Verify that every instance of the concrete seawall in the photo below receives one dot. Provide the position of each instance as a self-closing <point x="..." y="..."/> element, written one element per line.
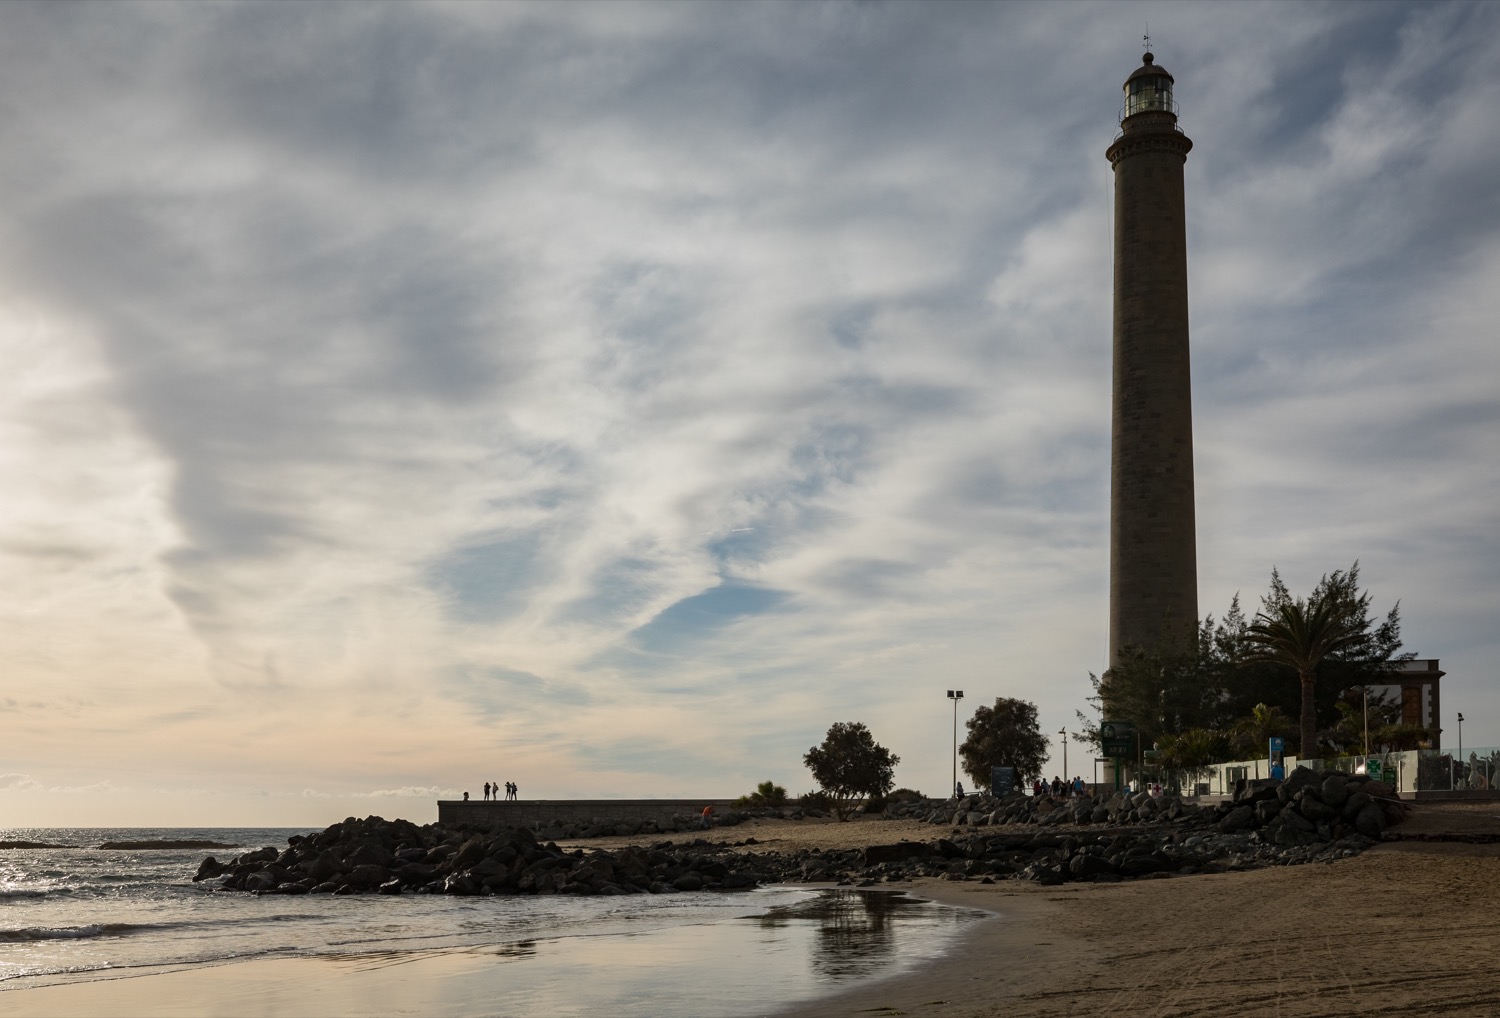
<point x="530" y="812"/>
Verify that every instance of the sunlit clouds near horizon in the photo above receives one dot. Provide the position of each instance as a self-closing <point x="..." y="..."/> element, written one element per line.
<point x="610" y="397"/>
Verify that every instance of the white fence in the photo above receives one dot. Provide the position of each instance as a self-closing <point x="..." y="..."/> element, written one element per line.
<point x="1423" y="770"/>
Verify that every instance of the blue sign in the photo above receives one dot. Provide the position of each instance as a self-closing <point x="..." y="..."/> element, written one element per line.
<point x="1278" y="745"/>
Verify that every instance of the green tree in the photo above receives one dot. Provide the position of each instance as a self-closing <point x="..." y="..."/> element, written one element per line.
<point x="850" y="765"/>
<point x="1299" y="634"/>
<point x="1005" y="735"/>
<point x="1251" y="735"/>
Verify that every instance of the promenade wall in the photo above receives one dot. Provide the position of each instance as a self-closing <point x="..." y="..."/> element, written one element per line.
<point x="530" y="812"/>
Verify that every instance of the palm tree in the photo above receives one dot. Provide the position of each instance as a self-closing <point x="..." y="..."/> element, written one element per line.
<point x="1300" y="634"/>
<point x="1253" y="732"/>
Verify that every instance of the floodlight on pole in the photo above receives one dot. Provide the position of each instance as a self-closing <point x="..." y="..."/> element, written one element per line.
<point x="955" y="695"/>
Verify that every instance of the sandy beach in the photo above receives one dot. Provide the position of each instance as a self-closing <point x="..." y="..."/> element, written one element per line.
<point x="1407" y="928"/>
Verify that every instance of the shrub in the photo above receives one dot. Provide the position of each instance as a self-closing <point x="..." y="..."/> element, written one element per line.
<point x="816" y="800"/>
<point x="767" y="794"/>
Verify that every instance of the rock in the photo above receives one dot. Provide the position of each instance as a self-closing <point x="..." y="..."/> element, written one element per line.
<point x="1315" y="810"/>
<point x="1296" y="821"/>
<point x="1370" y="821"/>
<point x="1138" y="865"/>
<point x="368" y="875"/>
<point x="210" y="868"/>
<point x="1085" y="867"/>
<point x="260" y="882"/>
<point x="1356" y="802"/>
<point x="370" y="854"/>
<point x="1267" y="809"/>
<point x="1302" y="777"/>
<point x="460" y="883"/>
<point x="1334" y="790"/>
<point x="688" y="882"/>
<point x="876" y="854"/>
<point x="1237" y="819"/>
<point x="390" y="887"/>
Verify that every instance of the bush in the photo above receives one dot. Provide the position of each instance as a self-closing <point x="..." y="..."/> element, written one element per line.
<point x="905" y="795"/>
<point x="816" y="800"/>
<point x="767" y="794"/>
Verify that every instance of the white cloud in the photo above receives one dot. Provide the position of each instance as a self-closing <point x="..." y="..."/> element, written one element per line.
<point x="622" y="399"/>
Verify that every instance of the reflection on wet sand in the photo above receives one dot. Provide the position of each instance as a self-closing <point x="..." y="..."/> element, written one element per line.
<point x="855" y="935"/>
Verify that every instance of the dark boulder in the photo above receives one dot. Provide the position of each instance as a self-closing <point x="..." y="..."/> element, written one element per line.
<point x="1334" y="790"/>
<point x="1356" y="802"/>
<point x="368" y="875"/>
<point x="1237" y="819"/>
<point x="210" y="868"/>
<point x="1370" y="821"/>
<point x="260" y="882"/>
<point x="1316" y="810"/>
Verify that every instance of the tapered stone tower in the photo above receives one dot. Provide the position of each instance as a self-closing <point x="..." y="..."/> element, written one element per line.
<point x="1153" y="559"/>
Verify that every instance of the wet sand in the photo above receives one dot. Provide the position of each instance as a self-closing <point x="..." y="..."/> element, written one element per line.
<point x="1407" y="928"/>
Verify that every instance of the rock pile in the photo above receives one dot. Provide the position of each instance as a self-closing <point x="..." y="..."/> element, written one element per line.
<point x="1310" y="817"/>
<point x="381" y="856"/>
<point x="1309" y="807"/>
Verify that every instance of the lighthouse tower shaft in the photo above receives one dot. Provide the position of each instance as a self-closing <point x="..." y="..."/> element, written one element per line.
<point x="1153" y="584"/>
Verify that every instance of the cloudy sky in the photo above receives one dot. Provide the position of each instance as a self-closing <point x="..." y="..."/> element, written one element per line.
<point x="610" y="397"/>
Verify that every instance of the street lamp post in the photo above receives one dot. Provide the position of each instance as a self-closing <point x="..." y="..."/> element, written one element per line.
<point x="1366" y="691"/>
<point x="1063" y="731"/>
<point x="955" y="695"/>
<point x="1461" y="749"/>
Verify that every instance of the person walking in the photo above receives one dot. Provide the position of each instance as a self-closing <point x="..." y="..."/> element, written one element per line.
<point x="486" y="791"/>
<point x="708" y="814"/>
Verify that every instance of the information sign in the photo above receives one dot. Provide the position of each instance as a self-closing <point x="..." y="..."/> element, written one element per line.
<point x="1002" y="781"/>
<point x="1117" y="738"/>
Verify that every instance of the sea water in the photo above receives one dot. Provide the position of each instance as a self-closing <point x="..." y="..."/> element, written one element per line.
<point x="82" y="912"/>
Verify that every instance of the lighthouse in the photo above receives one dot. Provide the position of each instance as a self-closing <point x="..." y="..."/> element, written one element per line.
<point x="1153" y="561"/>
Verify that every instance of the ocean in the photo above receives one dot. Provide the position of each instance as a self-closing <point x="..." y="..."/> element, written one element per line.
<point x="81" y="912"/>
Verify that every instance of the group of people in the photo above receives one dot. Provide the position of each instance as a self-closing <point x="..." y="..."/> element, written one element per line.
<point x="492" y="791"/>
<point x="1058" y="788"/>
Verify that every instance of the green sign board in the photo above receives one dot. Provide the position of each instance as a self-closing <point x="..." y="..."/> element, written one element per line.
<point x="1117" y="738"/>
<point x="1373" y="768"/>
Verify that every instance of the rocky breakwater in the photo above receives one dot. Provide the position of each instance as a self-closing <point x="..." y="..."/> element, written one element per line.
<point x="1311" y="816"/>
<point x="381" y="856"/>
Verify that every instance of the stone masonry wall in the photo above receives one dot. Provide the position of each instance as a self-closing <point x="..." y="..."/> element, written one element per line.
<point x="534" y="812"/>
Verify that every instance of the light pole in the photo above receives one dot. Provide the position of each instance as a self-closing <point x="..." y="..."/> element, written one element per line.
<point x="1063" y="731"/>
<point x="1465" y="780"/>
<point x="955" y="695"/>
<point x="1366" y="691"/>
